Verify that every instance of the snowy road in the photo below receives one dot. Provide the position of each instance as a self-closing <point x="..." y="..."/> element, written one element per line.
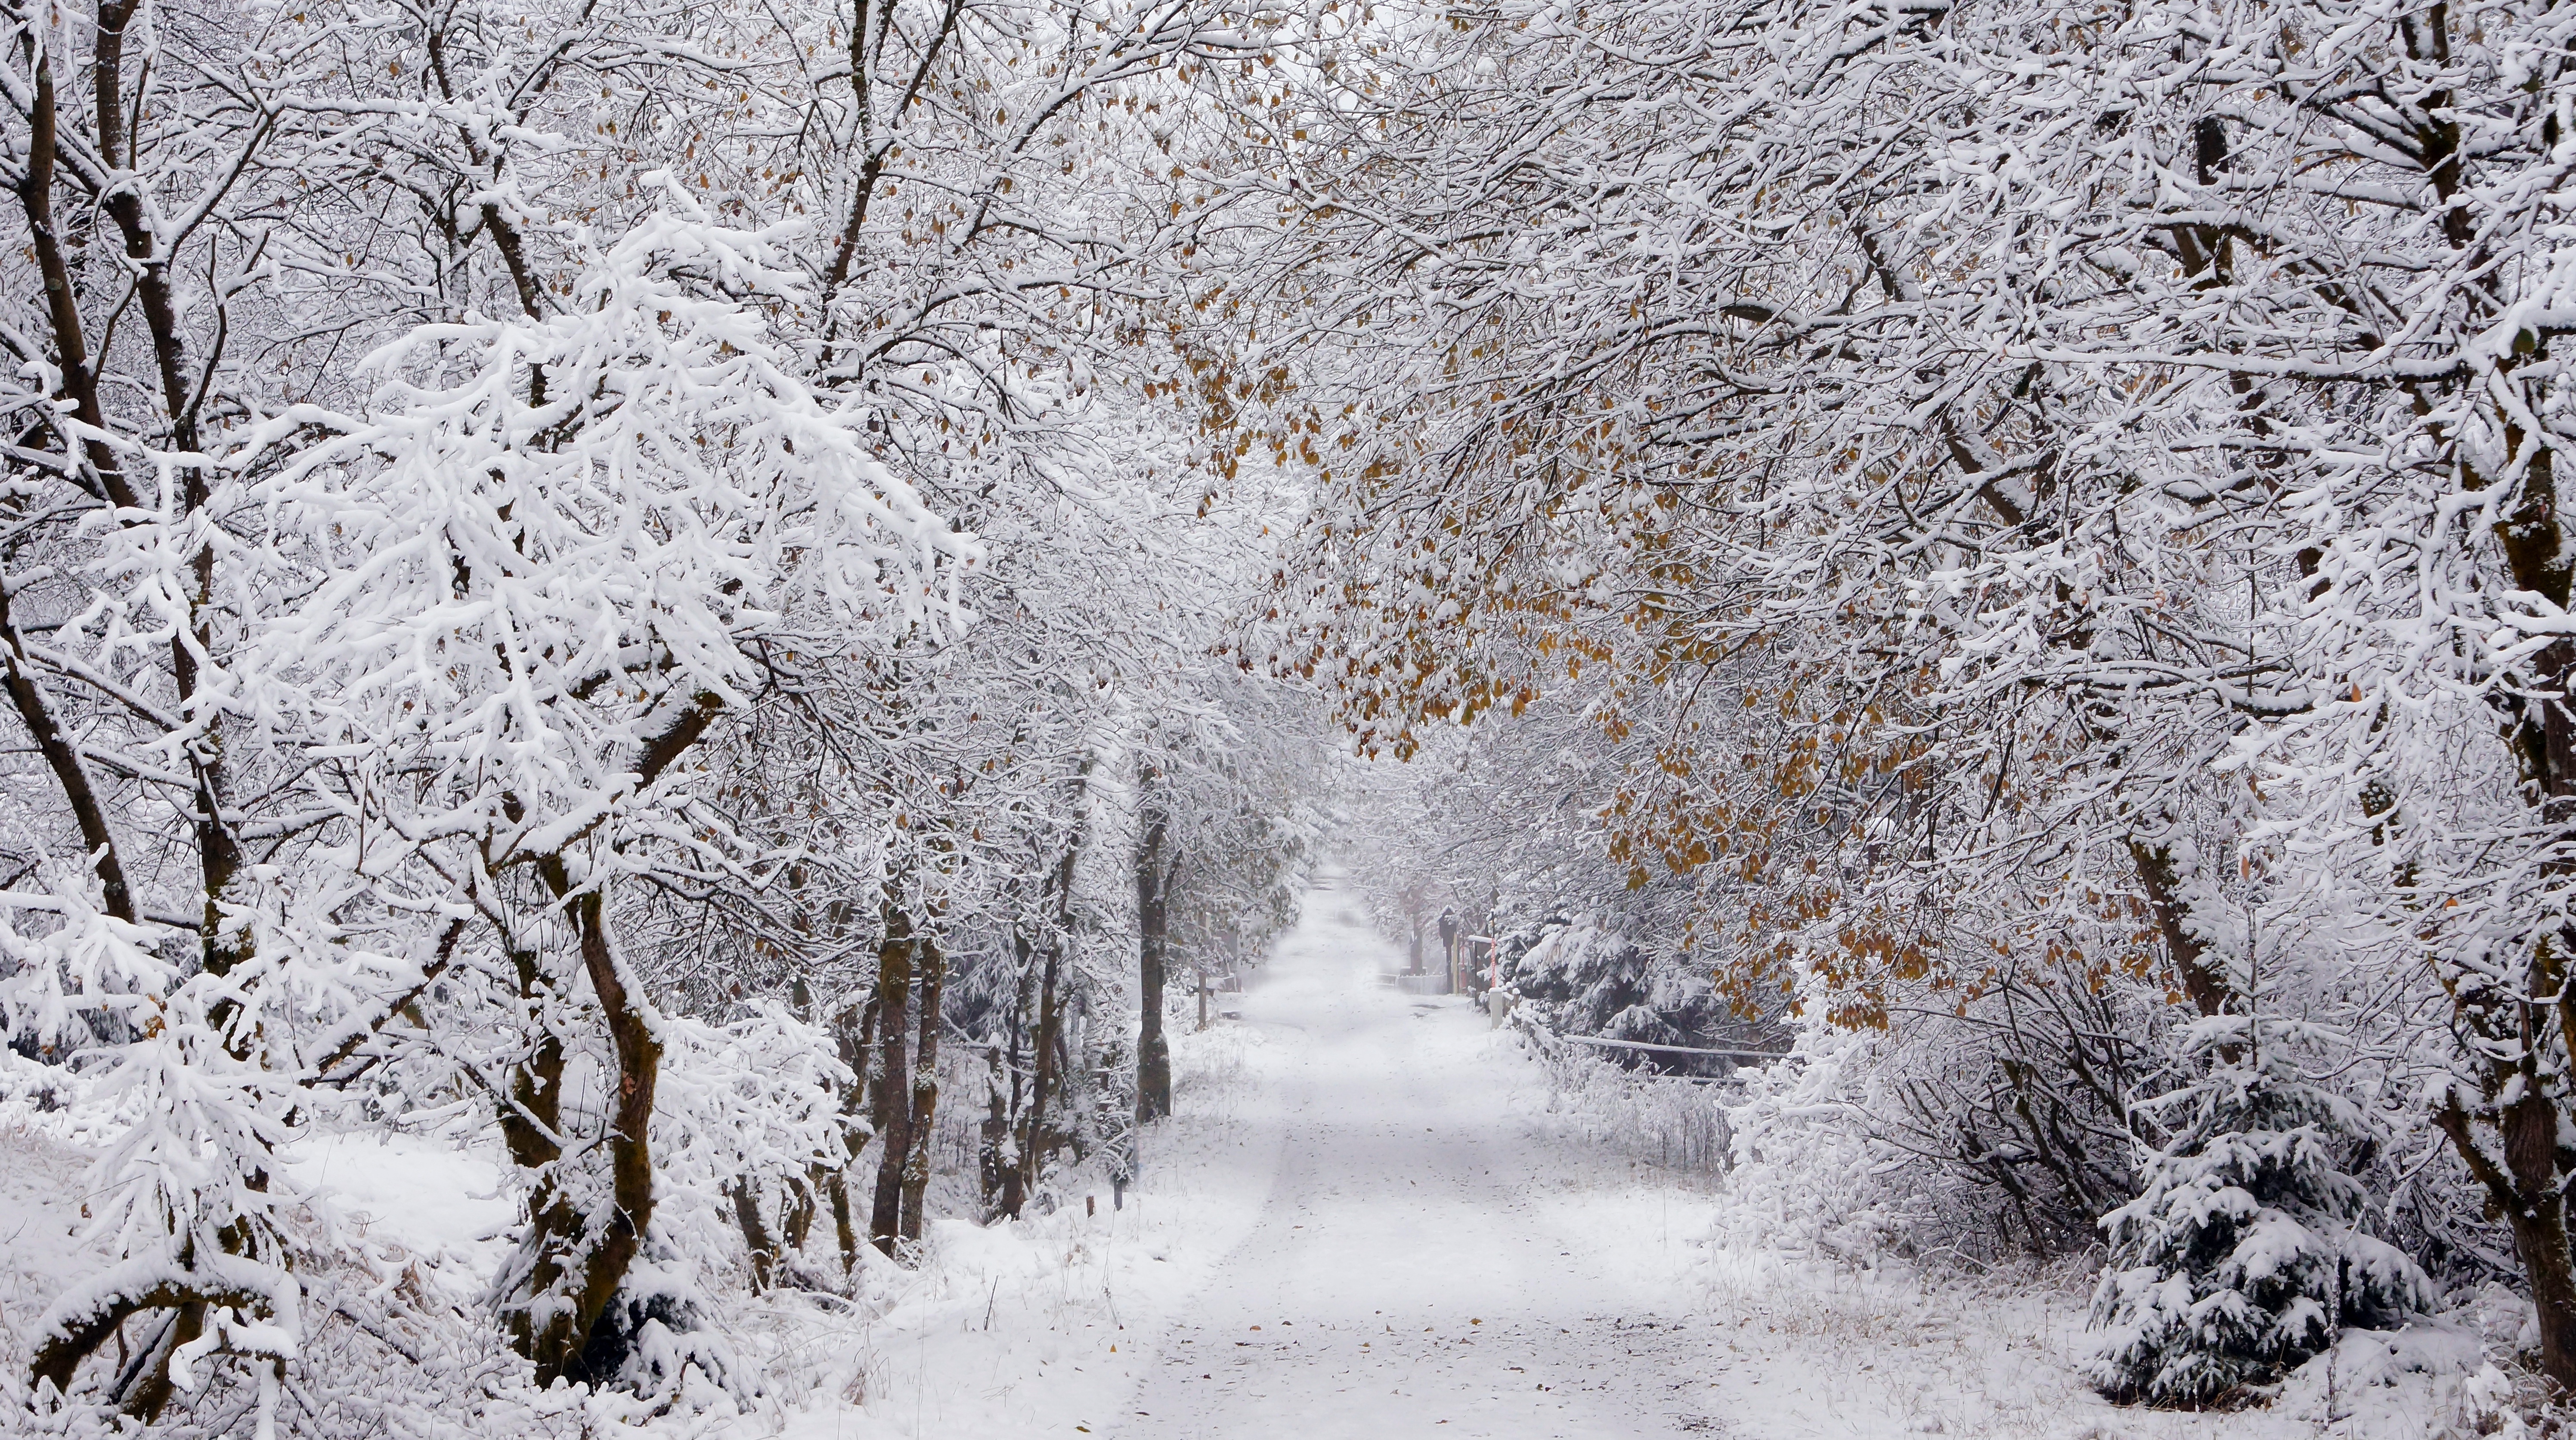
<point x="1404" y="1278"/>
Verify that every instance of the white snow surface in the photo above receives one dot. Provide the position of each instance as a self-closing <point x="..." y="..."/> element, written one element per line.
<point x="441" y="1202"/>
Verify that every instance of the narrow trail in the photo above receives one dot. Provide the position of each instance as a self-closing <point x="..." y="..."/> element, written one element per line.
<point x="1404" y="1279"/>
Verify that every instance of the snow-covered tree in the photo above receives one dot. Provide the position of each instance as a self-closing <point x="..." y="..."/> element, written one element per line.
<point x="2008" y="506"/>
<point x="2245" y="1253"/>
<point x="525" y="415"/>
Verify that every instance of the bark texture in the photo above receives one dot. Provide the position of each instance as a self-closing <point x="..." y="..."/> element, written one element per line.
<point x="892" y="1104"/>
<point x="1153" y="917"/>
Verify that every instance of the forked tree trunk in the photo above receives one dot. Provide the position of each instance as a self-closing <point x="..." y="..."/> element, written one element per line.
<point x="574" y="1260"/>
<point x="856" y="1047"/>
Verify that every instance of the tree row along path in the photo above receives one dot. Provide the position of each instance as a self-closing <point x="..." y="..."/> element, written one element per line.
<point x="1407" y="1276"/>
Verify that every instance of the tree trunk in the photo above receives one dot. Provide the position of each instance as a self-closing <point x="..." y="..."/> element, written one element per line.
<point x="804" y="1202"/>
<point x="996" y="1171"/>
<point x="1042" y="1078"/>
<point x="36" y="710"/>
<point x="76" y="377"/>
<point x="2525" y="1186"/>
<point x="1045" y="1072"/>
<point x="630" y="1142"/>
<point x="755" y="1233"/>
<point x="575" y="1259"/>
<point x="1153" y="1053"/>
<point x="2541" y="1239"/>
<point x="2159" y="875"/>
<point x="892" y="1108"/>
<point x="1006" y="1091"/>
<point x="1030" y="1141"/>
<point x="531" y="1124"/>
<point x="921" y="1127"/>
<point x="855" y="1048"/>
<point x="2516" y="1037"/>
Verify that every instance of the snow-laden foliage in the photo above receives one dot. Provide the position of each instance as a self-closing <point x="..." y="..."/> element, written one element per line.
<point x="567" y="574"/>
<point x="2036" y="502"/>
<point x="715" y="607"/>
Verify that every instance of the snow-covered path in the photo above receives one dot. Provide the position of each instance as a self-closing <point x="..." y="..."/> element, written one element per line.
<point x="1404" y="1277"/>
<point x="1366" y="1221"/>
<point x="1437" y="1257"/>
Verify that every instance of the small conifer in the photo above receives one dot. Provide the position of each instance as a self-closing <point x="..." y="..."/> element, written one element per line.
<point x="2244" y="1254"/>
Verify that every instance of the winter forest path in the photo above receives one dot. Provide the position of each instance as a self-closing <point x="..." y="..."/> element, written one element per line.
<point x="1406" y="1277"/>
<point x="1372" y="1216"/>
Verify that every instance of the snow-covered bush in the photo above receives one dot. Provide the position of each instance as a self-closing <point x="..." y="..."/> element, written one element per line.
<point x="187" y="1080"/>
<point x="1607" y="972"/>
<point x="2244" y="1254"/>
<point x="1581" y="972"/>
<point x="1673" y="1121"/>
<point x="1808" y="1177"/>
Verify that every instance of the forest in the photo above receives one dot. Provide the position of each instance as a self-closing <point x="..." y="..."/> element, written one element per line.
<point x="751" y="615"/>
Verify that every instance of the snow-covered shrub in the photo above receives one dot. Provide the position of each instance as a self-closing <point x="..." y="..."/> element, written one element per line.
<point x="1671" y="1121"/>
<point x="1592" y="976"/>
<point x="2244" y="1254"/>
<point x="186" y="1107"/>
<point x="1807" y="1177"/>
<point x="1582" y="974"/>
<point x="1984" y="1128"/>
<point x="753" y="1104"/>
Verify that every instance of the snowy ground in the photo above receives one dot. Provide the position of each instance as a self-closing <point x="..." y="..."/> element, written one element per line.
<point x="1365" y="1221"/>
